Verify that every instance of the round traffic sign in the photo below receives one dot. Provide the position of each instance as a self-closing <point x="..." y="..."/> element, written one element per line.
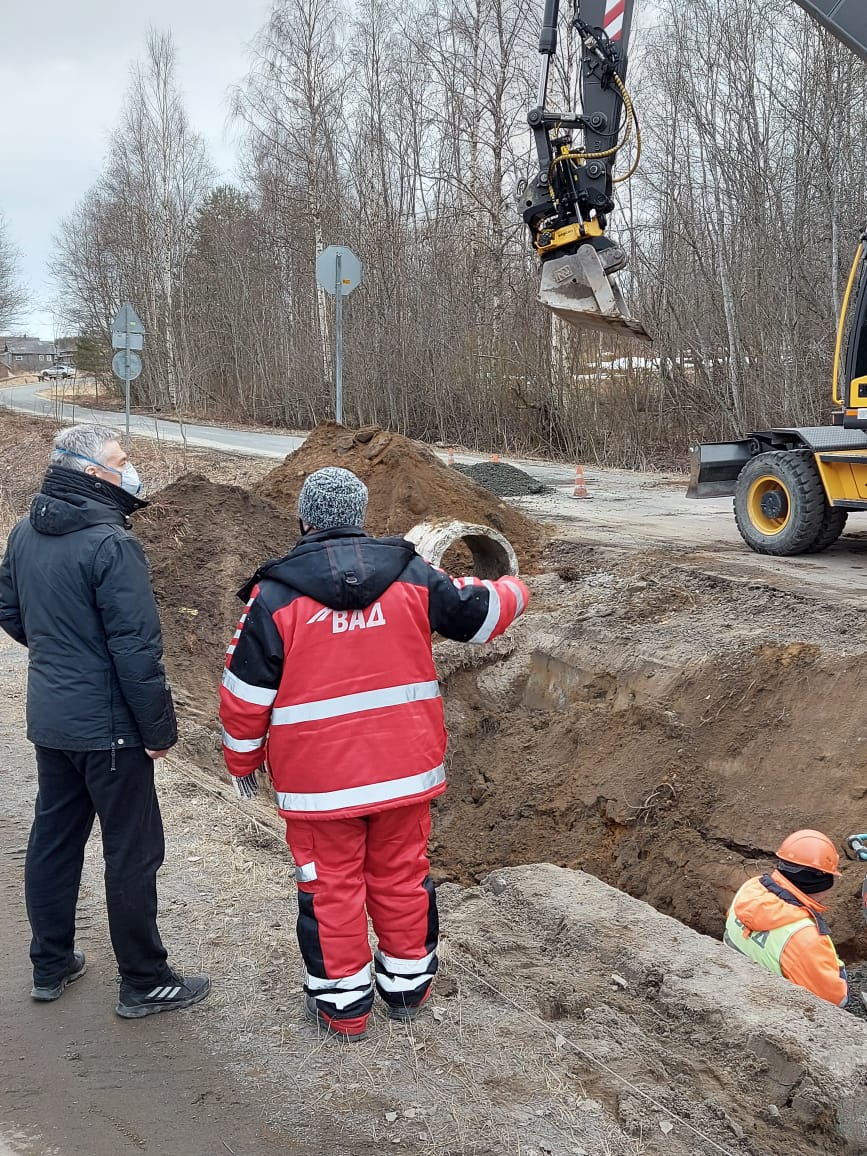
<point x="126" y="365"/>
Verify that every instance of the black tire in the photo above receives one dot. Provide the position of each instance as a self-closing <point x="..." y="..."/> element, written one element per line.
<point x="780" y="505"/>
<point x="833" y="524"/>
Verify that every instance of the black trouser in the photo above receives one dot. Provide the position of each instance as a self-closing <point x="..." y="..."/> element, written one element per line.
<point x="73" y="787"/>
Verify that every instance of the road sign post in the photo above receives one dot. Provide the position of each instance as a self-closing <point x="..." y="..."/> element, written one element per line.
<point x="338" y="272"/>
<point x="338" y="338"/>
<point x="127" y="336"/>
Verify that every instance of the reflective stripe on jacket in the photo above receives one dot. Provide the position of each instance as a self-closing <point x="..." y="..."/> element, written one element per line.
<point x="776" y="925"/>
<point x="765" y="947"/>
<point x="330" y="677"/>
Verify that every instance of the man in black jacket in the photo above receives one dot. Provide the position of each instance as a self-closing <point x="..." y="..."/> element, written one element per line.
<point x="75" y="590"/>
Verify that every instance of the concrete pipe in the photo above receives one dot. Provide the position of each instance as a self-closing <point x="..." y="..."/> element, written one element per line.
<point x="493" y="555"/>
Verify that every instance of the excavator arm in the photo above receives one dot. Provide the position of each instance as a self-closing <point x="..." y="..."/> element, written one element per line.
<point x="845" y="19"/>
<point x="566" y="205"/>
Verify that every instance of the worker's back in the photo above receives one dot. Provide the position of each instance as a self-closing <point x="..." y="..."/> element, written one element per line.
<point x="333" y="658"/>
<point x="776" y="925"/>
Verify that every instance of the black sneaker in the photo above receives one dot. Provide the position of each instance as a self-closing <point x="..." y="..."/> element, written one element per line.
<point x="178" y="992"/>
<point x="46" y="994"/>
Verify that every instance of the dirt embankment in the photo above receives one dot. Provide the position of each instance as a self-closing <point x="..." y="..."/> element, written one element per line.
<point x="659" y="727"/>
<point x="203" y="540"/>
<point x="661" y="730"/>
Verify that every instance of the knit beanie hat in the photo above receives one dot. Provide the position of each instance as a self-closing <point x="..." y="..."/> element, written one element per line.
<point x="332" y="497"/>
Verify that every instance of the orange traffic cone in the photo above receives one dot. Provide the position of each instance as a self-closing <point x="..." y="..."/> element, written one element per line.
<point x="451" y="456"/>
<point x="580" y="490"/>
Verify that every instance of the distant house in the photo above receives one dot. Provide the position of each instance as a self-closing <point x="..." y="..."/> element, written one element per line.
<point x="29" y="355"/>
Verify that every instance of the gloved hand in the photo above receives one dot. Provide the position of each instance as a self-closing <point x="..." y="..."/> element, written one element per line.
<point x="246" y="786"/>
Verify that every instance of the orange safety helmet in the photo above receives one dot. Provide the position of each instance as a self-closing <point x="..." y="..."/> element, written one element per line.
<point x="810" y="849"/>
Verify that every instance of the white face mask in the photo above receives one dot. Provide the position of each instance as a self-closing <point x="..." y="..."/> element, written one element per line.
<point x="129" y="479"/>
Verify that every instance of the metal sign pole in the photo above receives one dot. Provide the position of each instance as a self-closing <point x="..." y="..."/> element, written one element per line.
<point x="126" y="386"/>
<point x="338" y="338"/>
<point x="127" y="335"/>
<point x="338" y="271"/>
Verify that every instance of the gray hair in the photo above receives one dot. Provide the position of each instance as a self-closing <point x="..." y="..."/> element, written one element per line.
<point x="87" y="440"/>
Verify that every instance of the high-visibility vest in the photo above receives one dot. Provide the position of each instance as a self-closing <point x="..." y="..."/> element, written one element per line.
<point x="765" y="947"/>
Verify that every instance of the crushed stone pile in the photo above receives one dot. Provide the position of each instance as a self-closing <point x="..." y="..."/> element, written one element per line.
<point x="203" y="540"/>
<point x="503" y="479"/>
<point x="407" y="482"/>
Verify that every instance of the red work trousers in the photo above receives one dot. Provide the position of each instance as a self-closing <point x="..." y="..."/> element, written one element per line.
<point x="346" y="870"/>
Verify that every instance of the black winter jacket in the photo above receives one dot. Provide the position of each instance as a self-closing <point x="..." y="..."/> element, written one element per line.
<point x="75" y="590"/>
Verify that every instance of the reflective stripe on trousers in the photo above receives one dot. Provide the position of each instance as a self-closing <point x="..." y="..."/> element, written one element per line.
<point x="400" y="977"/>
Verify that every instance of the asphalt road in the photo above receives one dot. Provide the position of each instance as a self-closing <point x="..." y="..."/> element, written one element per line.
<point x="28" y="399"/>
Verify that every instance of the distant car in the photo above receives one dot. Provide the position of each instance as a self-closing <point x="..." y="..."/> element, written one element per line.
<point x="57" y="371"/>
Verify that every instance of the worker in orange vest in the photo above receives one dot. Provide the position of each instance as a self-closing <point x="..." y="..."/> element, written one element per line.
<point x="777" y="921"/>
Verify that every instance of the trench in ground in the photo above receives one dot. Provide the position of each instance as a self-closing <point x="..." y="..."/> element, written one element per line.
<point x="660" y="727"/>
<point x="617" y="732"/>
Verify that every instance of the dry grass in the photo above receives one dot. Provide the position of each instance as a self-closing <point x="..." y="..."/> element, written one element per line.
<point x="469" y="1078"/>
<point x="25" y="443"/>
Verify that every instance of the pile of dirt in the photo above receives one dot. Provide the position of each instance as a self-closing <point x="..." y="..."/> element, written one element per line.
<point x="407" y="483"/>
<point x="203" y="540"/>
<point x="503" y="479"/>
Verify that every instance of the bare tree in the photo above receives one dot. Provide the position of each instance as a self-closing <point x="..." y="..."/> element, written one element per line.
<point x="292" y="105"/>
<point x="131" y="237"/>
<point x="13" y="297"/>
<point x="400" y="132"/>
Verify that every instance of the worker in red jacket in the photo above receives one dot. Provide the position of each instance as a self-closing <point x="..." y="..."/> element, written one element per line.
<point x="776" y="919"/>
<point x="330" y="682"/>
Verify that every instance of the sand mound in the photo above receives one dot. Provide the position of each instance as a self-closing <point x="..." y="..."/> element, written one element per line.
<point x="203" y="540"/>
<point x="407" y="483"/>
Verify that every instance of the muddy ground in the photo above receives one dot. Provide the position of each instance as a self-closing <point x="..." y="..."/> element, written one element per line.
<point x="244" y="1073"/>
<point x="506" y="1062"/>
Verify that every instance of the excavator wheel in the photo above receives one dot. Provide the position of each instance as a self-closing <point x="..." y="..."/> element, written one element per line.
<point x="780" y="504"/>
<point x="833" y="524"/>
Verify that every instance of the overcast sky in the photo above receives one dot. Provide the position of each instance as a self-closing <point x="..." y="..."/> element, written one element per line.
<point x="64" y="72"/>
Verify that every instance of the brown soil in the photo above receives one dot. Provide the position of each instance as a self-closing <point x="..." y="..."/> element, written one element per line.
<point x="660" y="727"/>
<point x="480" y="1074"/>
<point x="203" y="541"/>
<point x="407" y="482"/>
<point x="663" y="736"/>
<point x="25" y="443"/>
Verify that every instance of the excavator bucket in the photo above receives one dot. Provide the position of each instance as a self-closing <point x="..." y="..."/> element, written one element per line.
<point x="579" y="290"/>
